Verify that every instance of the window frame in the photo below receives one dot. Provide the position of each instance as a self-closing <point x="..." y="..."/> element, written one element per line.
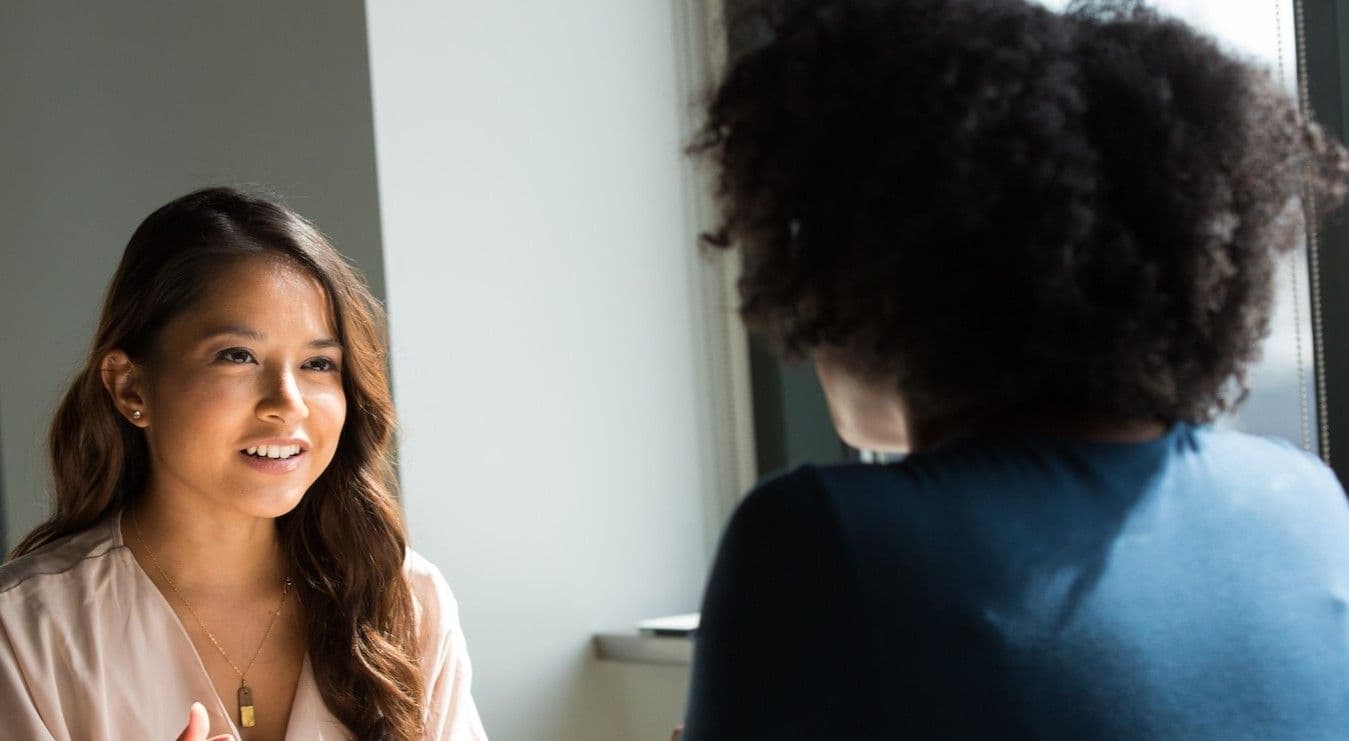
<point x="1324" y="62"/>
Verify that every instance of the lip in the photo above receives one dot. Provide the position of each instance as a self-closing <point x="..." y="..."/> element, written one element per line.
<point x="275" y="465"/>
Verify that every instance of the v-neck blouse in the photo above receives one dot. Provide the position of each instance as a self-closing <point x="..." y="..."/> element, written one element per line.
<point x="90" y="650"/>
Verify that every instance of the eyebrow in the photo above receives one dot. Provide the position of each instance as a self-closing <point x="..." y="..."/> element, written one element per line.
<point x="238" y="330"/>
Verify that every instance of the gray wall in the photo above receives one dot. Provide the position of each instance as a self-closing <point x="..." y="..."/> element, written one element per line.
<point x="110" y="110"/>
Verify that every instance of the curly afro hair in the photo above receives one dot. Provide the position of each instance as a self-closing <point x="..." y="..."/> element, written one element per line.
<point x="1009" y="211"/>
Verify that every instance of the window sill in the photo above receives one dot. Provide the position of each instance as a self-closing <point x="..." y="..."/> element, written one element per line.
<point x="633" y="648"/>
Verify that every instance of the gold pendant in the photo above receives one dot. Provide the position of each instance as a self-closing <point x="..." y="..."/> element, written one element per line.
<point x="246" y="719"/>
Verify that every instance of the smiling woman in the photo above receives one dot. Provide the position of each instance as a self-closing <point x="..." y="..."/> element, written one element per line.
<point x="254" y="366"/>
<point x="218" y="464"/>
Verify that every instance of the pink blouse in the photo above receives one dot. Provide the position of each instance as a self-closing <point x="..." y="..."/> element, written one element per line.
<point x="90" y="650"/>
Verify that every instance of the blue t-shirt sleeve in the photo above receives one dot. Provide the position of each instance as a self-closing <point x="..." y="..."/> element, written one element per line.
<point x="774" y="652"/>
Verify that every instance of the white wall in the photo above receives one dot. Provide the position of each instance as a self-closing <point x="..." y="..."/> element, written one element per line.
<point x="111" y="109"/>
<point x="540" y="264"/>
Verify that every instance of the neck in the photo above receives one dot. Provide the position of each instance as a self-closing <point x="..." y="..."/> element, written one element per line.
<point x="201" y="550"/>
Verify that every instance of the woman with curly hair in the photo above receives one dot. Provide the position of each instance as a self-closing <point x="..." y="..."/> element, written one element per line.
<point x="1037" y="250"/>
<point x="225" y="535"/>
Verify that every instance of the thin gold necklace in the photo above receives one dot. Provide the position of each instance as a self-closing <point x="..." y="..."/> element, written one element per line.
<point x="247" y="715"/>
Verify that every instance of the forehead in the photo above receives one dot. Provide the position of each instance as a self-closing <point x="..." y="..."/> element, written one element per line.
<point x="264" y="292"/>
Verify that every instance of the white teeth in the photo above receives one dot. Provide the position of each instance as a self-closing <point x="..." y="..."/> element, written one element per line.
<point x="281" y="452"/>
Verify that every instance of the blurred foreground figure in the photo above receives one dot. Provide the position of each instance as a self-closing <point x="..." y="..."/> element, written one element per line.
<point x="1037" y="251"/>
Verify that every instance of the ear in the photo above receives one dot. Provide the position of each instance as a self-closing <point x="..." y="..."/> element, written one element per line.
<point x="123" y="380"/>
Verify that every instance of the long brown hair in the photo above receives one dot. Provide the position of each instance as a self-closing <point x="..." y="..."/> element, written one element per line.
<point x="345" y="539"/>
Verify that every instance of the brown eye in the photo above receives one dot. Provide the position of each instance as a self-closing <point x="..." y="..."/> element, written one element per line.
<point x="235" y="355"/>
<point x="321" y="364"/>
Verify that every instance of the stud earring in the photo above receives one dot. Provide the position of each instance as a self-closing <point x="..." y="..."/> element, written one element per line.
<point x="136" y="414"/>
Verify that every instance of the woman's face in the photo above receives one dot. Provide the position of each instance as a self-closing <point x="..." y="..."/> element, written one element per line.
<point x="240" y="382"/>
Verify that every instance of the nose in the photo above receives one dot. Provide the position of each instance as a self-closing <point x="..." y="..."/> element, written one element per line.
<point x="281" y="400"/>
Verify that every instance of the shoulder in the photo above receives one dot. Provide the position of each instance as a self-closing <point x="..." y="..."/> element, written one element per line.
<point x="50" y="598"/>
<point x="822" y="505"/>
<point x="795" y="498"/>
<point x="785" y="533"/>
<point x="65" y="565"/>
<point x="1246" y="460"/>
<point x="425" y="579"/>
<point x="785" y="515"/>
<point x="1268" y="476"/>
<point x="780" y="493"/>
<point x="436" y="609"/>
<point x="812" y="506"/>
<point x="782" y="554"/>
<point x="1238" y="445"/>
<point x="780" y="614"/>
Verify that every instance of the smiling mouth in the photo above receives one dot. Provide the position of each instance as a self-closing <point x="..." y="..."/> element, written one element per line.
<point x="274" y="452"/>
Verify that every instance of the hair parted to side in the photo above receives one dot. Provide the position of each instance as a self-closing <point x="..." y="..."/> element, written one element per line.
<point x="1007" y="211"/>
<point x="346" y="538"/>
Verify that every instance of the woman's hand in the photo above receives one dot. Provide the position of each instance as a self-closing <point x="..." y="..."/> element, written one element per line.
<point x="198" y="724"/>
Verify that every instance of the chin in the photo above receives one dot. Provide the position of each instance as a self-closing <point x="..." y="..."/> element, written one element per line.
<point x="268" y="503"/>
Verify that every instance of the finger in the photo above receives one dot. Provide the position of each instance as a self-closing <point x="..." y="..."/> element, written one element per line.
<point x="197" y="723"/>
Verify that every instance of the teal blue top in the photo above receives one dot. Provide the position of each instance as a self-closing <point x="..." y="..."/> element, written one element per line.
<point x="1013" y="586"/>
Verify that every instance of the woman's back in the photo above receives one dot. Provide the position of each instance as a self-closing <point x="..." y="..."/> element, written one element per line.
<point x="981" y="215"/>
<point x="1195" y="586"/>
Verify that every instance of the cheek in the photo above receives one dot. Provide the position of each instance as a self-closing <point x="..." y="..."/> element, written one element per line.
<point x="194" y="407"/>
<point x="327" y="413"/>
<point x="192" y="424"/>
